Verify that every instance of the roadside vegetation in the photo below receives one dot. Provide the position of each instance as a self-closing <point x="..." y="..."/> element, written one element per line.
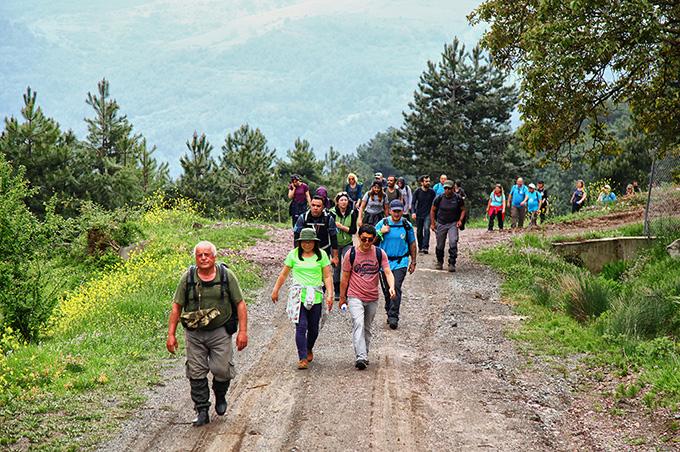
<point x="102" y="343"/>
<point x="624" y="321"/>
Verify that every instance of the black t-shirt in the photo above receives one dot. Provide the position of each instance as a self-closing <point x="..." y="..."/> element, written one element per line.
<point x="544" y="196"/>
<point x="448" y="210"/>
<point x="422" y="202"/>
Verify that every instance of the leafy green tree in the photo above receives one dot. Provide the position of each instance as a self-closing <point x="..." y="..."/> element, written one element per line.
<point x="37" y="145"/>
<point x="245" y="173"/>
<point x="198" y="179"/>
<point x="458" y="122"/>
<point x="577" y="60"/>
<point x="22" y="304"/>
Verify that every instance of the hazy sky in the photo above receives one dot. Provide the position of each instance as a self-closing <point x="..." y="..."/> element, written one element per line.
<point x="334" y="72"/>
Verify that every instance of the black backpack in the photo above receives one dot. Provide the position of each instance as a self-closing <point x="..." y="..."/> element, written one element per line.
<point x="232" y="322"/>
<point x="353" y="255"/>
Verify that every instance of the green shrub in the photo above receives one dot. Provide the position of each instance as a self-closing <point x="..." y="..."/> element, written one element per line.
<point x="646" y="316"/>
<point x="614" y="271"/>
<point x="585" y="297"/>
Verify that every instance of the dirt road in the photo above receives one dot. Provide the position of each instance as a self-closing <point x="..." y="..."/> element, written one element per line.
<point x="447" y="379"/>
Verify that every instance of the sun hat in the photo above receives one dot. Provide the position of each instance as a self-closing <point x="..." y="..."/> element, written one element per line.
<point x="308" y="234"/>
<point x="396" y="205"/>
<point x="532" y="185"/>
<point x="448" y="184"/>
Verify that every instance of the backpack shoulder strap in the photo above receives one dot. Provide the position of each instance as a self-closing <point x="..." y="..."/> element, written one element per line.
<point x="352" y="255"/>
<point x="378" y="256"/>
<point x="191" y="283"/>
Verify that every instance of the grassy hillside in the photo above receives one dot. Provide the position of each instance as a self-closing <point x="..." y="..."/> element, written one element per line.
<point x="105" y="342"/>
<point x="624" y="321"/>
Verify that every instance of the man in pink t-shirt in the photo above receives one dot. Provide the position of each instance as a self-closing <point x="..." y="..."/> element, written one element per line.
<point x="359" y="289"/>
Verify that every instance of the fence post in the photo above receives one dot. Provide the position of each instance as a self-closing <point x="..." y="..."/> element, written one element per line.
<point x="646" y="230"/>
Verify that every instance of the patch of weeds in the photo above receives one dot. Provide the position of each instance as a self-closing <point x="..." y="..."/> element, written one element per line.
<point x="615" y="411"/>
<point x="597" y="407"/>
<point x="639" y="441"/>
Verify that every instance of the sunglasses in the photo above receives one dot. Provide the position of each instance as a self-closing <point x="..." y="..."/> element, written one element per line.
<point x="366" y="239"/>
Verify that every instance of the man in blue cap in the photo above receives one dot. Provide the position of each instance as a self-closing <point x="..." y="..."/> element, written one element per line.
<point x="398" y="241"/>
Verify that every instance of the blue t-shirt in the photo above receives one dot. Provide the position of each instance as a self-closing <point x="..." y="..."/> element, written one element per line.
<point x="438" y="189"/>
<point x="518" y="194"/>
<point x="611" y="197"/>
<point x="533" y="201"/>
<point x="394" y="242"/>
<point x="497" y="200"/>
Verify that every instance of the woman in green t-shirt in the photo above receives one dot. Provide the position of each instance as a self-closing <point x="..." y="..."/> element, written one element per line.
<point x="311" y="271"/>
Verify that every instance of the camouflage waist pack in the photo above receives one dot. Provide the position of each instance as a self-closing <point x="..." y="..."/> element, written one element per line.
<point x="199" y="319"/>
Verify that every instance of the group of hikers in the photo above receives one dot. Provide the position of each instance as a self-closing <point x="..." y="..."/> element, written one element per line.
<point x="345" y="251"/>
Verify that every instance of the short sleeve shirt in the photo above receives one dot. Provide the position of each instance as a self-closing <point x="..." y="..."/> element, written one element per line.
<point x="518" y="194"/>
<point x="374" y="204"/>
<point x="300" y="193"/>
<point x="497" y="200"/>
<point x="364" y="274"/>
<point x="394" y="242"/>
<point x="533" y="201"/>
<point x="308" y="271"/>
<point x="210" y="297"/>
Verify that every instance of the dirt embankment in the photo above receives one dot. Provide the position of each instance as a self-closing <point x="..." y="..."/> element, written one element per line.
<point x="447" y="379"/>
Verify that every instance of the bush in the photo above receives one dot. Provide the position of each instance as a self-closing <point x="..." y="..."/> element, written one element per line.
<point x="614" y="271"/>
<point x="21" y="306"/>
<point x="585" y="297"/>
<point x="650" y="305"/>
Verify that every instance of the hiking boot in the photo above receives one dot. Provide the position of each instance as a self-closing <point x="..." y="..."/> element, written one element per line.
<point x="360" y="364"/>
<point x="439" y="266"/>
<point x="393" y="324"/>
<point x="310" y="356"/>
<point x="202" y="418"/>
<point x="303" y="364"/>
<point x="452" y="268"/>
<point x="220" y="389"/>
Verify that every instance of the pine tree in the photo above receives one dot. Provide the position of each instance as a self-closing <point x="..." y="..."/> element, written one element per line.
<point x="37" y="145"/>
<point x="198" y="178"/>
<point x="109" y="134"/>
<point x="458" y="122"/>
<point x="152" y="175"/>
<point x="246" y="172"/>
<point x="377" y="153"/>
<point x="301" y="161"/>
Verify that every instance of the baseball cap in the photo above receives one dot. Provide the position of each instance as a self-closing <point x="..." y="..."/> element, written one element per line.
<point x="448" y="184"/>
<point x="396" y="205"/>
<point x="378" y="174"/>
<point x="532" y="186"/>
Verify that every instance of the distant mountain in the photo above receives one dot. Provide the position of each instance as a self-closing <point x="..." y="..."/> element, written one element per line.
<point x="333" y="72"/>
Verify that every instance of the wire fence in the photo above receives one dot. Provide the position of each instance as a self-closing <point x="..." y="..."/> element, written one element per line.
<point x="662" y="210"/>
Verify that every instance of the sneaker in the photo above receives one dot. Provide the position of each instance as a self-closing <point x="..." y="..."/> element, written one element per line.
<point x="439" y="266"/>
<point x="310" y="356"/>
<point x="426" y="252"/>
<point x="393" y="324"/>
<point x="360" y="364"/>
<point x="303" y="364"/>
<point x="452" y="268"/>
